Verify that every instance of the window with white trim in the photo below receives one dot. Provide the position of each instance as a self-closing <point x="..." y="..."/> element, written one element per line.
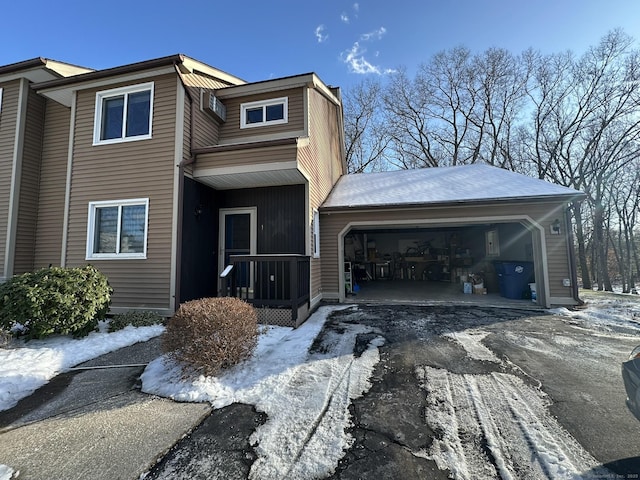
<point x="315" y="232"/>
<point x="0" y="100"/>
<point x="117" y="229"/>
<point x="264" y="112"/>
<point x="123" y="114"/>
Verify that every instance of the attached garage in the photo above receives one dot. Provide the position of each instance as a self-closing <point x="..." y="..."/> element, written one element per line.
<point x="423" y="234"/>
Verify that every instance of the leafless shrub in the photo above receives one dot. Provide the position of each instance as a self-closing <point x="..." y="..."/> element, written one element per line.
<point x="5" y="338"/>
<point x="211" y="334"/>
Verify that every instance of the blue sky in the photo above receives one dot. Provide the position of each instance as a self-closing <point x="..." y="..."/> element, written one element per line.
<point x="342" y="41"/>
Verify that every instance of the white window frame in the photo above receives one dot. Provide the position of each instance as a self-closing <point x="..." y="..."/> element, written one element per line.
<point x="284" y="101"/>
<point x="315" y="234"/>
<point x="0" y="99"/>
<point x="114" y="92"/>
<point x="91" y="225"/>
<point x="492" y="242"/>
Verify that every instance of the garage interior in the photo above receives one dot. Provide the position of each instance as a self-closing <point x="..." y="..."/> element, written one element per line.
<point x="444" y="263"/>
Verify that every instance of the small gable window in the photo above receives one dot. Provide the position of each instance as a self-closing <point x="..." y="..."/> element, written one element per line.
<point x="264" y="112"/>
<point x="123" y="114"/>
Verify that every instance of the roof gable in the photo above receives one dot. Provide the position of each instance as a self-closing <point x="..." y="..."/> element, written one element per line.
<point x="442" y="185"/>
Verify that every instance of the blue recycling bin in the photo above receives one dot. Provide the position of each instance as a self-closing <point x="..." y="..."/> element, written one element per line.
<point x="514" y="278"/>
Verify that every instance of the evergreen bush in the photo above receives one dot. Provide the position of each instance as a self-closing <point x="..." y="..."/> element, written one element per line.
<point x="211" y="334"/>
<point x="55" y="300"/>
<point x="136" y="318"/>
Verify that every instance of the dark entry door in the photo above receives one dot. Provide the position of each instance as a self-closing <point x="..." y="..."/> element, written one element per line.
<point x="238" y="237"/>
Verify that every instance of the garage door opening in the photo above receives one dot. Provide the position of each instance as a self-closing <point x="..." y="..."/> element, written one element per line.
<point x="490" y="262"/>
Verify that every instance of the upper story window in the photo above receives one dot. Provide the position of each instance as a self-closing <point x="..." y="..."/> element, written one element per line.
<point x="123" y="114"/>
<point x="117" y="229"/>
<point x="264" y="112"/>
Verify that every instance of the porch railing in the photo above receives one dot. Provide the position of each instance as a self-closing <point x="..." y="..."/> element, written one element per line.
<point x="269" y="281"/>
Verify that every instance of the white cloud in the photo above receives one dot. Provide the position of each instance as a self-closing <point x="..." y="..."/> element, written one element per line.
<point x="344" y="17"/>
<point x="375" y="35"/>
<point x="356" y="62"/>
<point x="319" y="33"/>
<point x="356" y="7"/>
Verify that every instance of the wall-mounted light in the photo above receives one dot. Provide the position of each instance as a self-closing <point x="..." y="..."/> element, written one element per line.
<point x="197" y="211"/>
<point x="555" y="227"/>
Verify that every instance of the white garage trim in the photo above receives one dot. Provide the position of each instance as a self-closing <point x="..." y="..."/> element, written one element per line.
<point x="537" y="233"/>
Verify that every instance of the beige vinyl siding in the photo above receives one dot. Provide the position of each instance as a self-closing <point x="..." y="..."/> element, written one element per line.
<point x="322" y="161"/>
<point x="29" y="185"/>
<point x="332" y="223"/>
<point x="230" y="131"/>
<point x="137" y="169"/>
<point x="557" y="253"/>
<point x="186" y="138"/>
<point x="249" y="156"/>
<point x="53" y="177"/>
<point x="206" y="130"/>
<point x="8" y="118"/>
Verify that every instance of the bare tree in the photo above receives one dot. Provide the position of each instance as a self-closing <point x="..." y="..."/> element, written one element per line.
<point x="571" y="120"/>
<point x="586" y="128"/>
<point x="365" y="136"/>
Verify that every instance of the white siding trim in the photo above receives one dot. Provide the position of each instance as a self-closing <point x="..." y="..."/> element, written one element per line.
<point x="539" y="244"/>
<point x="178" y="155"/>
<point x="16" y="178"/>
<point x="67" y="193"/>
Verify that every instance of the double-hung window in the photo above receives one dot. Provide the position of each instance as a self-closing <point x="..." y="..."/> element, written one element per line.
<point x="264" y="112"/>
<point x="123" y="114"/>
<point x="117" y="229"/>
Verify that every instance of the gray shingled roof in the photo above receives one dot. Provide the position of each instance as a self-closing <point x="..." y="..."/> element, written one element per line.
<point x="444" y="185"/>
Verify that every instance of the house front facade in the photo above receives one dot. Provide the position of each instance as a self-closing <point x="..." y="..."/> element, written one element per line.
<point x="158" y="172"/>
<point x="181" y="181"/>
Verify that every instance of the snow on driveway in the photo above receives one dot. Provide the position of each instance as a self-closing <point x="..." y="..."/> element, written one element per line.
<point x="496" y="426"/>
<point x="305" y="396"/>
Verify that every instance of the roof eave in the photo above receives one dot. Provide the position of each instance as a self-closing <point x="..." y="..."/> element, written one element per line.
<point x="110" y="72"/>
<point x="484" y="201"/>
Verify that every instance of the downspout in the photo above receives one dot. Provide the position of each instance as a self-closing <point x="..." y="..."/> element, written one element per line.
<point x="181" y="166"/>
<point x="572" y="257"/>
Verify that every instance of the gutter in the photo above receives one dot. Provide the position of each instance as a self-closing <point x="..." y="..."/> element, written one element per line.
<point x="110" y="72"/>
<point x="448" y="203"/>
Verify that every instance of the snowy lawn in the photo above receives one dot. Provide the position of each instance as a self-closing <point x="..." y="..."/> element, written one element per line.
<point x="26" y="366"/>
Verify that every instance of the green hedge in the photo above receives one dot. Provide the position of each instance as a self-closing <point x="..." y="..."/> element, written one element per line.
<point x="136" y="318"/>
<point x="55" y="300"/>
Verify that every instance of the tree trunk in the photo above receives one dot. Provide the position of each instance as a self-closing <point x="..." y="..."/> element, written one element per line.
<point x="582" y="251"/>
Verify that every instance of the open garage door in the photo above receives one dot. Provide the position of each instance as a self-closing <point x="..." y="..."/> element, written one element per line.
<point x="442" y="263"/>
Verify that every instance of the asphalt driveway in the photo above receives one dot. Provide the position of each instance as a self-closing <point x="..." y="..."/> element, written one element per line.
<point x="467" y="392"/>
<point x="460" y="391"/>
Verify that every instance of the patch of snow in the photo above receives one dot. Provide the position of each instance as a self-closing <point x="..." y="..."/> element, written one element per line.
<point x="471" y="341"/>
<point x="7" y="473"/>
<point x="611" y="312"/>
<point x="26" y="366"/>
<point x="495" y="425"/>
<point x="305" y="396"/>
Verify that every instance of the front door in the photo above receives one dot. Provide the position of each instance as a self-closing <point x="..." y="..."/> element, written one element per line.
<point x="237" y="237"/>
